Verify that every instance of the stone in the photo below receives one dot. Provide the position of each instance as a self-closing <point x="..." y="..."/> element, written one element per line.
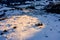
<point x="5" y="31"/>
<point x="39" y="24"/>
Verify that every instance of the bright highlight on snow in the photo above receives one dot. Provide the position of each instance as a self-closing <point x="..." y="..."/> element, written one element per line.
<point x="21" y="27"/>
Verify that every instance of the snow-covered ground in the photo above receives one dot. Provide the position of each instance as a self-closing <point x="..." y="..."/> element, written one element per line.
<point x="29" y="24"/>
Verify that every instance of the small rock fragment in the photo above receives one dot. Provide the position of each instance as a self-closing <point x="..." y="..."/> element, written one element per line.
<point x="14" y="27"/>
<point x="5" y="31"/>
<point x="39" y="24"/>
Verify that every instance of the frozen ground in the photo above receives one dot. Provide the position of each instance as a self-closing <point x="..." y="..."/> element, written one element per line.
<point x="23" y="25"/>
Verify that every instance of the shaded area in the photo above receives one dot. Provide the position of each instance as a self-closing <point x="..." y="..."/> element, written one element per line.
<point x="53" y="7"/>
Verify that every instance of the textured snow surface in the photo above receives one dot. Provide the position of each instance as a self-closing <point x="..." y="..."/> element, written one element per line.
<point x="22" y="24"/>
<point x="25" y="27"/>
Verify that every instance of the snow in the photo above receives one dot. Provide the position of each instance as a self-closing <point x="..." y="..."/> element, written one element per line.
<point x="25" y="20"/>
<point x="4" y="8"/>
<point x="39" y="7"/>
<point x="23" y="6"/>
<point x="25" y="24"/>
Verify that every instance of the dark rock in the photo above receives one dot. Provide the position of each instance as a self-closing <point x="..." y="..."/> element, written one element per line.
<point x="2" y="19"/>
<point x="5" y="31"/>
<point x="39" y="24"/>
<point x="14" y="27"/>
